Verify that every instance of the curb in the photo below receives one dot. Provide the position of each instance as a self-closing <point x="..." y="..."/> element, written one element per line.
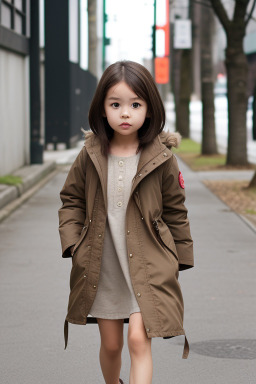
<point x="241" y="216"/>
<point x="34" y="177"/>
<point x="247" y="222"/>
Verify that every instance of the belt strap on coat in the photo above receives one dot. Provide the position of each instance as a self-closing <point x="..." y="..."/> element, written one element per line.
<point x="186" y="349"/>
<point x="66" y="333"/>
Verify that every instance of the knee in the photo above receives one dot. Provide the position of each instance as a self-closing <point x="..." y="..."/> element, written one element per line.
<point x="137" y="342"/>
<point x="113" y="347"/>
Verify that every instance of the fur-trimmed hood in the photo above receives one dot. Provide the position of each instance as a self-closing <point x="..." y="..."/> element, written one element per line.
<point x="170" y="139"/>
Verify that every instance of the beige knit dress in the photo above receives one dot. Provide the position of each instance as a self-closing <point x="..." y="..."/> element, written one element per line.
<point x="115" y="298"/>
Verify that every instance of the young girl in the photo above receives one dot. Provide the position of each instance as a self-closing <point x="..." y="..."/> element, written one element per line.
<point x="124" y="223"/>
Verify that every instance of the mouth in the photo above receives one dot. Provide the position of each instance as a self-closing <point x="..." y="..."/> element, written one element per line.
<point x="125" y="125"/>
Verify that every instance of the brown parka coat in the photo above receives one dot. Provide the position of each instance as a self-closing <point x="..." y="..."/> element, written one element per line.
<point x="158" y="237"/>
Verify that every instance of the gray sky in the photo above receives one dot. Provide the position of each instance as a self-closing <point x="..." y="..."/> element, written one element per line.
<point x="129" y="28"/>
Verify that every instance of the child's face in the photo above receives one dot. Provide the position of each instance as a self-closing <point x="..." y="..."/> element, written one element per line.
<point x="124" y="110"/>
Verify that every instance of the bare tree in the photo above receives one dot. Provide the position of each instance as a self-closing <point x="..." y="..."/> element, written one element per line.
<point x="254" y="114"/>
<point x="92" y="15"/>
<point x="237" y="72"/>
<point x="182" y="95"/>
<point x="252" y="183"/>
<point x="209" y="145"/>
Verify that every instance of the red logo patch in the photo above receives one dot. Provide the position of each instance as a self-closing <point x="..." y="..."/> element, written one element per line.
<point x="181" y="181"/>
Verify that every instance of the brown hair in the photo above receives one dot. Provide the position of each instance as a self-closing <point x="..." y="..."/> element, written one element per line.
<point x="139" y="79"/>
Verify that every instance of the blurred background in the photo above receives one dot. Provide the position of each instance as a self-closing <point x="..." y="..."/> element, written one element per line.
<point x="52" y="54"/>
<point x="202" y="55"/>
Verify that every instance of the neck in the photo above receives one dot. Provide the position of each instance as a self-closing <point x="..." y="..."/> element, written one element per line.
<point x="125" y="142"/>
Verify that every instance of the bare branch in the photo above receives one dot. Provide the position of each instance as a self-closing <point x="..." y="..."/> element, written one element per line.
<point x="249" y="15"/>
<point x="221" y="13"/>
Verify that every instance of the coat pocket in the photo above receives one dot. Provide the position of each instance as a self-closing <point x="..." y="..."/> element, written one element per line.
<point x="82" y="236"/>
<point x="165" y="237"/>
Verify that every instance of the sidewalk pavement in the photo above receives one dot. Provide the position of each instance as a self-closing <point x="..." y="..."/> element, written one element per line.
<point x="33" y="177"/>
<point x="219" y="299"/>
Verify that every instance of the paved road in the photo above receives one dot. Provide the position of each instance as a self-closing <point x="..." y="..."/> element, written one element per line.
<point x="219" y="295"/>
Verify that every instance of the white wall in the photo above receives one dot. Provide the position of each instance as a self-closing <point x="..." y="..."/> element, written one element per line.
<point x="14" y="111"/>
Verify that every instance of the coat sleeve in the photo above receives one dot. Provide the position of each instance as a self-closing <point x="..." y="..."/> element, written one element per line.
<point x="175" y="213"/>
<point x="73" y="211"/>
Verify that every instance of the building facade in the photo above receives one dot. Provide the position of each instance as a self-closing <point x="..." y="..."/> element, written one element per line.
<point x="14" y="84"/>
<point x="47" y="75"/>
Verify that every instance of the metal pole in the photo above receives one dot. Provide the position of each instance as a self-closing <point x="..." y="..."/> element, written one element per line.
<point x="154" y="39"/>
<point x="104" y="37"/>
<point x="36" y="148"/>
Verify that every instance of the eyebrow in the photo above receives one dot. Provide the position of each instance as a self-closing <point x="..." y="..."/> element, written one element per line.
<point x="117" y="98"/>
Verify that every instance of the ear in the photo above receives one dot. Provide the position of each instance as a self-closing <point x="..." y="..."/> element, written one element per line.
<point x="148" y="114"/>
<point x="104" y="114"/>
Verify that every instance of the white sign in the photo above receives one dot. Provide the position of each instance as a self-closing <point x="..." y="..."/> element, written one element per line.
<point x="182" y="34"/>
<point x="161" y="13"/>
<point x="84" y="37"/>
<point x="73" y="31"/>
<point x="160" y="43"/>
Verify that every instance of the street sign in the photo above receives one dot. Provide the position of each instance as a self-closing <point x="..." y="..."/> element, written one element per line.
<point x="162" y="70"/>
<point x="182" y="34"/>
<point x="162" y="42"/>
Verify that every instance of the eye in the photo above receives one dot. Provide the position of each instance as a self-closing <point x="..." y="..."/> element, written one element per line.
<point x="135" y="105"/>
<point x="115" y="105"/>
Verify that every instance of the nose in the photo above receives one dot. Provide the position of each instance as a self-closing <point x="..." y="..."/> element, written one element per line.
<point x="125" y="113"/>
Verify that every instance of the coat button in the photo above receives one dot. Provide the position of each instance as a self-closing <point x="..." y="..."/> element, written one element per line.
<point x="119" y="204"/>
<point x="165" y="154"/>
<point x="138" y="294"/>
<point x="147" y="329"/>
<point x="94" y="286"/>
<point x="130" y="255"/>
<point x="120" y="177"/>
<point x="142" y="218"/>
<point x="99" y="235"/>
<point x="85" y="276"/>
<point x="121" y="163"/>
<point x="140" y="174"/>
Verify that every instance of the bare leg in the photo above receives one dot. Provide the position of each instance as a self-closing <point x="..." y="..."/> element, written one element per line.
<point x="140" y="351"/>
<point x="112" y="341"/>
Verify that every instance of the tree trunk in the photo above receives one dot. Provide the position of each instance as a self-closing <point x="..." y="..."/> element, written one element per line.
<point x="237" y="72"/>
<point x="254" y="115"/>
<point x="92" y="18"/>
<point x="253" y="182"/>
<point x="209" y="145"/>
<point x="183" y="99"/>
